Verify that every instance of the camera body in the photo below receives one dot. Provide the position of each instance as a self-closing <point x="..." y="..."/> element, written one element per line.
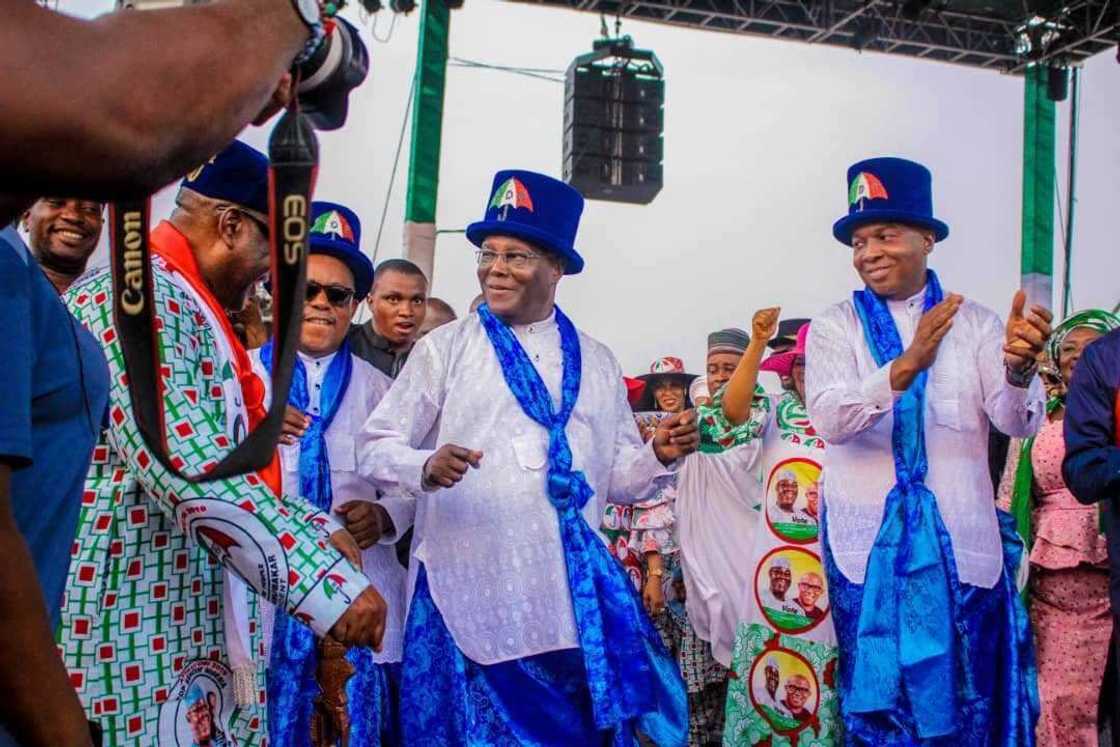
<point x="338" y="66"/>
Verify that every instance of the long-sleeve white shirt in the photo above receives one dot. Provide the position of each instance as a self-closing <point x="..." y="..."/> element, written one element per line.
<point x="850" y="402"/>
<point x="379" y="563"/>
<point x="717" y="519"/>
<point x="491" y="544"/>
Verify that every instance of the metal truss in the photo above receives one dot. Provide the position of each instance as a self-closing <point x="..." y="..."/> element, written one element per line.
<point x="1006" y="37"/>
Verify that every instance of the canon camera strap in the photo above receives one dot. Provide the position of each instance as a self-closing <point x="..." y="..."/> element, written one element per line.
<point x="293" y="161"/>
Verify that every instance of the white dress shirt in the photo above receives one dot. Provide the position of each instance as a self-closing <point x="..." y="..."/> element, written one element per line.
<point x="379" y="563"/>
<point x="850" y="402"/>
<point x="491" y="544"/>
<point x="717" y="519"/>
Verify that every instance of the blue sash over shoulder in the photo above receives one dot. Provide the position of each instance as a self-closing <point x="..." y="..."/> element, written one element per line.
<point x="905" y="653"/>
<point x="911" y="588"/>
<point x="632" y="680"/>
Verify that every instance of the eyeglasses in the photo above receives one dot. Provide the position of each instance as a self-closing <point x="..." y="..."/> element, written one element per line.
<point x="337" y="295"/>
<point x="811" y="587"/>
<point x="260" y="223"/>
<point x="797" y="689"/>
<point x="513" y="260"/>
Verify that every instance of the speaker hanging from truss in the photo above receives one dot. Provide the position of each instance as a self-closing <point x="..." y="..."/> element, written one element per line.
<point x="614" y="117"/>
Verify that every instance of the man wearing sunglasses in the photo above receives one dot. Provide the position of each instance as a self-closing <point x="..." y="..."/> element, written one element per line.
<point x="166" y="575"/>
<point x="332" y="393"/>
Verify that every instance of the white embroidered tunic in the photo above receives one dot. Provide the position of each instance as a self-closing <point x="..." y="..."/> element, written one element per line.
<point x="379" y="563"/>
<point x="850" y="403"/>
<point x="491" y="544"/>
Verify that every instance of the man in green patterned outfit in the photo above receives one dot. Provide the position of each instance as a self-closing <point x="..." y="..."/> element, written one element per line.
<point x="161" y="608"/>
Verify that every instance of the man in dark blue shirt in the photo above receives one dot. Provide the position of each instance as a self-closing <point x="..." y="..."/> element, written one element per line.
<point x="55" y="385"/>
<point x="1092" y="472"/>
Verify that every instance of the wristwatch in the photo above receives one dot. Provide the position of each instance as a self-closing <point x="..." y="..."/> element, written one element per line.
<point x="1021" y="379"/>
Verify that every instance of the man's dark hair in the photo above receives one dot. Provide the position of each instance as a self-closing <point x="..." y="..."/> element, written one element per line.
<point x="442" y="306"/>
<point x="402" y="266"/>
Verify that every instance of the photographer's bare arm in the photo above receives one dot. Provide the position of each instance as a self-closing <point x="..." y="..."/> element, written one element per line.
<point x="134" y="99"/>
<point x="40" y="705"/>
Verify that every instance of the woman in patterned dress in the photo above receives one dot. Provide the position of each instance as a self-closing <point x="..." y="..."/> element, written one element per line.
<point x="655" y="536"/>
<point x="1068" y="591"/>
<point x="617" y="518"/>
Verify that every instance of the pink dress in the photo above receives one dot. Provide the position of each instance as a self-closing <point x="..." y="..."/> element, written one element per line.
<point x="1069" y="600"/>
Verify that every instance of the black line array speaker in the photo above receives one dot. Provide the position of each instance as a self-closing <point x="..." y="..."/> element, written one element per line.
<point x="614" y="116"/>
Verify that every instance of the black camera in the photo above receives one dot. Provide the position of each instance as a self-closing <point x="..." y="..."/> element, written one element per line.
<point x="339" y="65"/>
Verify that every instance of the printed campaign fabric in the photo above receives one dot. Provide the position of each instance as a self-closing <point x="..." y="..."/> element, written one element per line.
<point x="144" y="622"/>
<point x="717" y="434"/>
<point x="783" y="693"/>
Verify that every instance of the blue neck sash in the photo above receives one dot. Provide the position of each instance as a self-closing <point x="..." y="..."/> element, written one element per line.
<point x="291" y="679"/>
<point x="624" y="675"/>
<point x="903" y="644"/>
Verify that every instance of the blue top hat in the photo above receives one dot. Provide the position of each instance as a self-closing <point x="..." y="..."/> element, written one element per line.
<point x="535" y="208"/>
<point x="238" y="175"/>
<point x="336" y="231"/>
<point x="889" y="190"/>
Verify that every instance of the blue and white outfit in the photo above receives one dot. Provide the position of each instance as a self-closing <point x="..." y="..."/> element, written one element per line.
<point x="290" y="700"/>
<point x="522" y="629"/>
<point x="935" y="646"/>
<point x="337" y="392"/>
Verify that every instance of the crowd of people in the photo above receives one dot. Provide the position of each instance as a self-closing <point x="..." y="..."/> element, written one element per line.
<point x="502" y="539"/>
<point x="479" y="530"/>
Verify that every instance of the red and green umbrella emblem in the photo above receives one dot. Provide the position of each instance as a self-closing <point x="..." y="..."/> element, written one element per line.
<point x="511" y="193"/>
<point x="335" y="223"/>
<point x="866" y="186"/>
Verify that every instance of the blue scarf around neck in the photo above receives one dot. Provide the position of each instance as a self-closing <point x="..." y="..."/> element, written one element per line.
<point x="629" y="674"/>
<point x="292" y="688"/>
<point x="911" y="589"/>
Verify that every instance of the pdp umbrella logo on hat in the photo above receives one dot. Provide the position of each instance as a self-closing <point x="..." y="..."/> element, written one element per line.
<point x="334" y="223"/>
<point x="866" y="186"/>
<point x="889" y="190"/>
<point x="511" y="194"/>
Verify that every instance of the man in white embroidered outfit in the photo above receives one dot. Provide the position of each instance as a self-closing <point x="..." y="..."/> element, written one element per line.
<point x="333" y="391"/>
<point x="902" y="381"/>
<point x="150" y="610"/>
<point x="514" y="430"/>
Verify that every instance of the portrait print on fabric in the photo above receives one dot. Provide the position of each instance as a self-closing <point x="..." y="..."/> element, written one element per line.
<point x="790" y="589"/>
<point x="793" y="500"/>
<point x="784" y="689"/>
<point x="199" y="710"/>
